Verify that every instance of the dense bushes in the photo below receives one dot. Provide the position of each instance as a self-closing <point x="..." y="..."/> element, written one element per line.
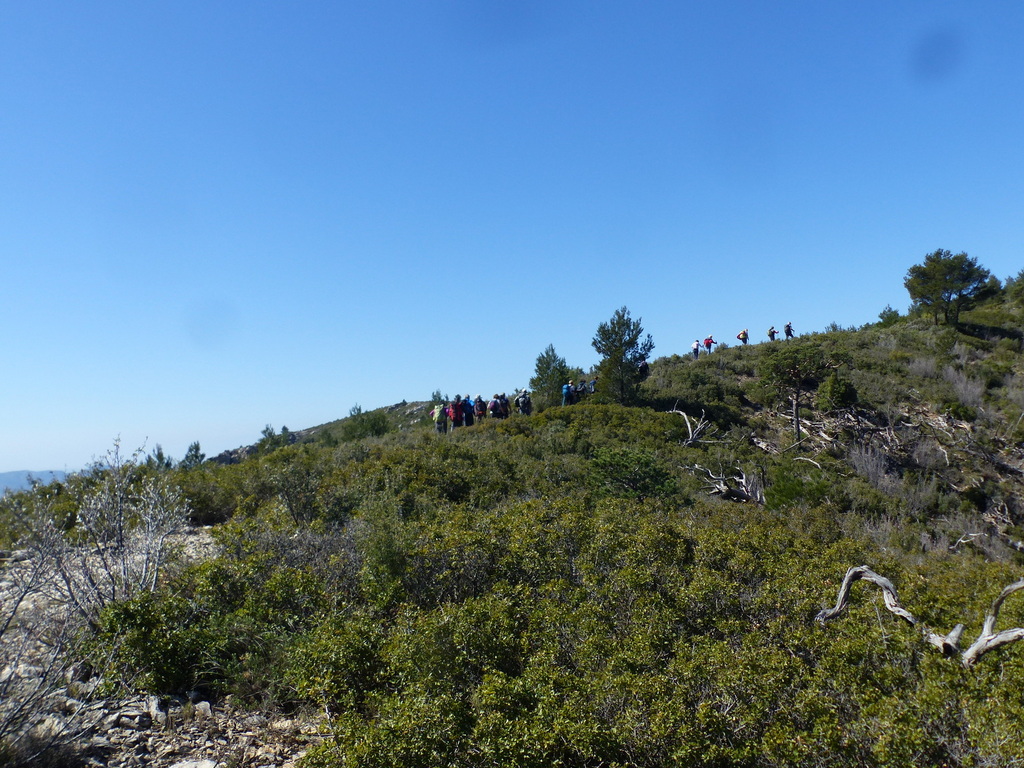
<point x="579" y="632"/>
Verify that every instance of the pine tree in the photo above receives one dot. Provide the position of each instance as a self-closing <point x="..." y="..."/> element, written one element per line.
<point x="551" y="372"/>
<point x="623" y="348"/>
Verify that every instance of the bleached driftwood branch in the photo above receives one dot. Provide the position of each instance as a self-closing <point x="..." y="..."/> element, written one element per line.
<point x="989" y="639"/>
<point x="738" y="487"/>
<point x="949" y="644"/>
<point x="697" y="429"/>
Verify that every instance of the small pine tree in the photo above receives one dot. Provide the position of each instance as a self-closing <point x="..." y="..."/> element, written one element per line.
<point x="550" y="373"/>
<point x="623" y="348"/>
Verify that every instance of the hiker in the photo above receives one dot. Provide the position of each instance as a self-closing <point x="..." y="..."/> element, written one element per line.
<point x="643" y="369"/>
<point x="592" y="386"/>
<point x="772" y="333"/>
<point x="743" y="336"/>
<point x="455" y="412"/>
<point x="440" y="416"/>
<point x="567" y="392"/>
<point x="503" y="402"/>
<point x="788" y="328"/>
<point x="494" y="407"/>
<point x="523" y="404"/>
<point x="580" y="392"/>
<point x="708" y="342"/>
<point x="468" y="410"/>
<point x="696" y="348"/>
<point x="481" y="408"/>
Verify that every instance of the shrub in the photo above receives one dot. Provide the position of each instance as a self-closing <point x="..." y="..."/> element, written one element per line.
<point x="834" y="393"/>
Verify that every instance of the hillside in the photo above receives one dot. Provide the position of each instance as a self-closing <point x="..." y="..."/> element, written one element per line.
<point x="597" y="584"/>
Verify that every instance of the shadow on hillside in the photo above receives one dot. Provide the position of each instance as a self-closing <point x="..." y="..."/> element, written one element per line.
<point x="990" y="332"/>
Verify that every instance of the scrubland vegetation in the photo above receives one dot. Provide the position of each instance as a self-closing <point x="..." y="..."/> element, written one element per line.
<point x="579" y="588"/>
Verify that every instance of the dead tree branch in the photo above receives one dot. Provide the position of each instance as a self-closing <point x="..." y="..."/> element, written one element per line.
<point x="738" y="487"/>
<point x="697" y="429"/>
<point x="988" y="640"/>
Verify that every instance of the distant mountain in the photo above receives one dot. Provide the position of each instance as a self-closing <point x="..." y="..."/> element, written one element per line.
<point x="18" y="481"/>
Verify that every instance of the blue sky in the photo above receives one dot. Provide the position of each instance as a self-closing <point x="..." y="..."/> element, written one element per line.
<point x="220" y="215"/>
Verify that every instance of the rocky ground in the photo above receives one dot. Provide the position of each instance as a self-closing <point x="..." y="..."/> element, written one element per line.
<point x="141" y="731"/>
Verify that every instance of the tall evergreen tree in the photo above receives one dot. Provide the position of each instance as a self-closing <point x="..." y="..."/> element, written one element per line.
<point x="551" y="372"/>
<point x="948" y="284"/>
<point x="623" y="347"/>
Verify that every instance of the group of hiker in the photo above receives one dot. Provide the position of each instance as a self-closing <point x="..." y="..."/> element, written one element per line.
<point x="743" y="336"/>
<point x="466" y="411"/>
<point x="575" y="391"/>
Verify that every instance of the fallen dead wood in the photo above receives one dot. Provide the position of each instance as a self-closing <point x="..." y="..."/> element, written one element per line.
<point x="697" y="429"/>
<point x="736" y="487"/>
<point x="949" y="644"/>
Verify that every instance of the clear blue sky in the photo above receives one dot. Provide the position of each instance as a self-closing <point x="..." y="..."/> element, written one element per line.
<point x="219" y="215"/>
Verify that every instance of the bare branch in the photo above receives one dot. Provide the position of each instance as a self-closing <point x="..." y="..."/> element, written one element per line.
<point x="989" y="638"/>
<point x="949" y="644"/>
<point x="738" y="488"/>
<point x="697" y="429"/>
<point x="809" y="461"/>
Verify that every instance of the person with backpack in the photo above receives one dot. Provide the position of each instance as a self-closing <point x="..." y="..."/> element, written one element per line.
<point x="788" y="328"/>
<point x="440" y="416"/>
<point x="494" y="407"/>
<point x="505" y="408"/>
<point x="523" y="404"/>
<point x="772" y="333"/>
<point x="743" y="336"/>
<point x="481" y="408"/>
<point x="468" y="410"/>
<point x="708" y="342"/>
<point x="643" y="370"/>
<point x="455" y="412"/>
<point x="567" y="393"/>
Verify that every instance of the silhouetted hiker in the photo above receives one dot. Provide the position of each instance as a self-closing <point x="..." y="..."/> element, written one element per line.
<point x="708" y="342"/>
<point x="468" y="410"/>
<point x="788" y="328"/>
<point x="772" y="333"/>
<point x="743" y="336"/>
<point x="481" y="408"/>
<point x="505" y="410"/>
<point x="643" y="369"/>
<point x="592" y="386"/>
<point x="696" y="348"/>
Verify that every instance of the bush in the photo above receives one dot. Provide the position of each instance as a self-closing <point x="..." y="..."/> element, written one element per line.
<point x="834" y="393"/>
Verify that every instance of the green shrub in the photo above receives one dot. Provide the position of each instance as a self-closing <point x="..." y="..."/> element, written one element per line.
<point x="834" y="393"/>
